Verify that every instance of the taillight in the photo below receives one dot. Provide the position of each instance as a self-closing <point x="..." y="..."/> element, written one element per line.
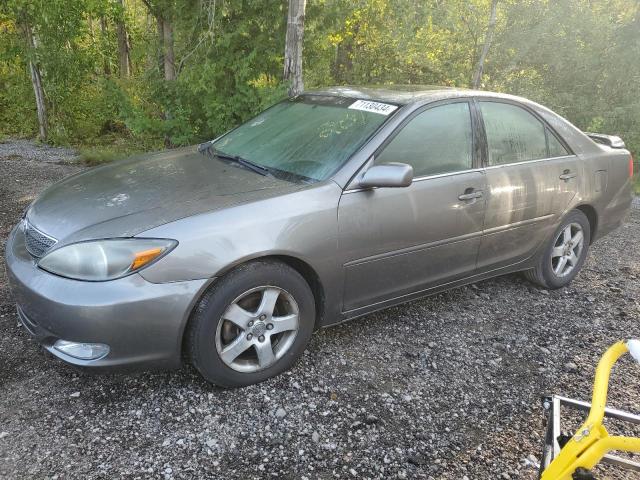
<point x="631" y="165"/>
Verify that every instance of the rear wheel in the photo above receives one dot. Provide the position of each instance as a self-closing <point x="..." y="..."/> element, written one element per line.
<point x="564" y="254"/>
<point x="252" y="325"/>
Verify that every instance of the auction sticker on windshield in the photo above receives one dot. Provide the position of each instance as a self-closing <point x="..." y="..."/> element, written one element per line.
<point x="374" y="107"/>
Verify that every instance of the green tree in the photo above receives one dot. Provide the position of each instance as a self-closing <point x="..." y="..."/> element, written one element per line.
<point x="188" y="70"/>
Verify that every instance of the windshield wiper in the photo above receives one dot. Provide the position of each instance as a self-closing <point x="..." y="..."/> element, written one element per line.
<point x="208" y="147"/>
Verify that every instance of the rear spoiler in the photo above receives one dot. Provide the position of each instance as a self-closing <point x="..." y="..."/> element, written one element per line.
<point x="608" y="140"/>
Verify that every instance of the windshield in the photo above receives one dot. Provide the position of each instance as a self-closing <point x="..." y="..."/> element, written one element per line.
<point x="309" y="137"/>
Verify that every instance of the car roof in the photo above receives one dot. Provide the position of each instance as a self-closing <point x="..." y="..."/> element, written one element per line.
<point x="406" y="94"/>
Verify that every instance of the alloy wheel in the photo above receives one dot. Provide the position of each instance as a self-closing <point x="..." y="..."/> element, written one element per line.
<point x="567" y="250"/>
<point x="257" y="329"/>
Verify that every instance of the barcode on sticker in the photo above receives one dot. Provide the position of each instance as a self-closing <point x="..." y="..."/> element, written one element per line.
<point x="374" y="107"/>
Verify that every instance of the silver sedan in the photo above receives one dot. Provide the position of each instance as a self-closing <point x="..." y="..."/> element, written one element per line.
<point x="322" y="208"/>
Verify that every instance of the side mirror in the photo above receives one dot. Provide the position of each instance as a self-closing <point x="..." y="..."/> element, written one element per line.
<point x="387" y="175"/>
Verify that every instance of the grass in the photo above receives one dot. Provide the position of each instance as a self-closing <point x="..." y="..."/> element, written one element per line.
<point x="109" y="148"/>
<point x="98" y="155"/>
<point x="636" y="184"/>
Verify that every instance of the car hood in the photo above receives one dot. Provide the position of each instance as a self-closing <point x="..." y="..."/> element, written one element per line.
<point x="128" y="197"/>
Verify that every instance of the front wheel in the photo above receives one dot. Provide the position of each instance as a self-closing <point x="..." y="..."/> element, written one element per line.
<point x="252" y="325"/>
<point x="564" y="254"/>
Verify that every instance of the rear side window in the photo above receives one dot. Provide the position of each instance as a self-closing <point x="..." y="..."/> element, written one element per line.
<point x="438" y="140"/>
<point x="513" y="134"/>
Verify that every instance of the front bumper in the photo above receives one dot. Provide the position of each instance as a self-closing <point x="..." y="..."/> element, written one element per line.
<point x="141" y="322"/>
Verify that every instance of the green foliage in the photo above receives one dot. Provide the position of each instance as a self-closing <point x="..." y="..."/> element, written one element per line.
<point x="579" y="57"/>
<point x="104" y="154"/>
<point x="404" y="41"/>
<point x="225" y="76"/>
<point x="17" y="109"/>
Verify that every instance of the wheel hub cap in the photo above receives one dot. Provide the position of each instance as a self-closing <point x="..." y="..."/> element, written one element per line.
<point x="257" y="329"/>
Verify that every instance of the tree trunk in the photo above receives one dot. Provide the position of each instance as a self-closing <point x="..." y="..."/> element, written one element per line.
<point x="167" y="60"/>
<point x="124" y="58"/>
<point x="169" y="54"/>
<point x="36" y="81"/>
<point x="103" y="40"/>
<point x="293" y="47"/>
<point x="160" y="26"/>
<point x="477" y="75"/>
<point x="167" y="67"/>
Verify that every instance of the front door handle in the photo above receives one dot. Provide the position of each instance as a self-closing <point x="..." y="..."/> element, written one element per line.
<point x="470" y="194"/>
<point x="567" y="175"/>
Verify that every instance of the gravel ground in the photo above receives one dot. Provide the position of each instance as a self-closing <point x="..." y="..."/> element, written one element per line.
<point x="447" y="387"/>
<point x="27" y="150"/>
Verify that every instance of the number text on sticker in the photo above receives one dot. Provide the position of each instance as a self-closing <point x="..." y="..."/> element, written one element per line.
<point x="375" y="107"/>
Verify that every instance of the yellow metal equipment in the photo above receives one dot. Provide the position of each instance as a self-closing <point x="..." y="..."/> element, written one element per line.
<point x="591" y="443"/>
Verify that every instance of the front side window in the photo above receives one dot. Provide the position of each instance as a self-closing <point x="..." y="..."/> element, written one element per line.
<point x="307" y="138"/>
<point x="513" y="134"/>
<point x="438" y="140"/>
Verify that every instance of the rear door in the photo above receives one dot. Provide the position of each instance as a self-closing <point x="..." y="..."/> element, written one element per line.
<point x="531" y="178"/>
<point x="397" y="241"/>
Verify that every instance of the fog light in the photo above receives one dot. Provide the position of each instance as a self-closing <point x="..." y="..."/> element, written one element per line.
<point x="82" y="351"/>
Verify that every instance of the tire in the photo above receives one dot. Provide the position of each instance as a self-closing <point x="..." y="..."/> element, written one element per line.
<point x="549" y="272"/>
<point x="255" y="286"/>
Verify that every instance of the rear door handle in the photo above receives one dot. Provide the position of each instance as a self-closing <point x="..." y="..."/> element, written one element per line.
<point x="567" y="175"/>
<point x="470" y="195"/>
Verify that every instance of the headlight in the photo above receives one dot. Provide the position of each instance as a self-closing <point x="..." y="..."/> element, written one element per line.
<point x="101" y="260"/>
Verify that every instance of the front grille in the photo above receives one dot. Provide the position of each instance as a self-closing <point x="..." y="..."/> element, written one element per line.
<point x="37" y="243"/>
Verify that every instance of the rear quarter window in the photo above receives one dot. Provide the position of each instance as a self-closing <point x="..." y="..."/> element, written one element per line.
<point x="556" y="149"/>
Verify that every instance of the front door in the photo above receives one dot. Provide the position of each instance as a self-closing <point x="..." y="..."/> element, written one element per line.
<point x="531" y="178"/>
<point x="398" y="241"/>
